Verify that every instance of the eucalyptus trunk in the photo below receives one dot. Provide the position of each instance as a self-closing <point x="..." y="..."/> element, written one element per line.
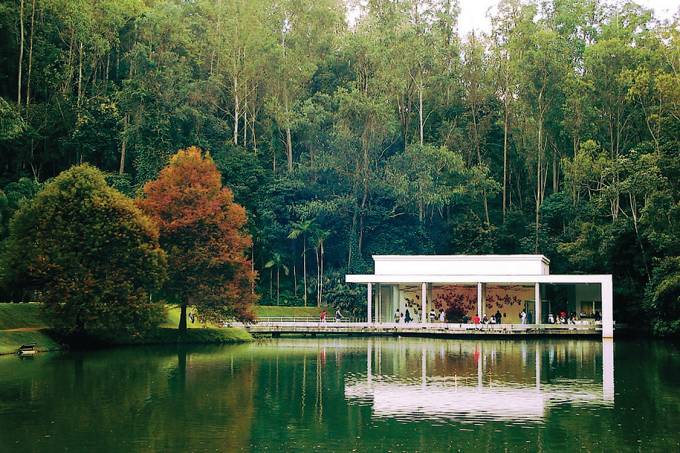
<point x="21" y="52"/>
<point x="30" y="57"/>
<point x="505" y="160"/>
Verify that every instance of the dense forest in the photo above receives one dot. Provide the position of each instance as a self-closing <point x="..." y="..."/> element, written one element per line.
<point x="377" y="132"/>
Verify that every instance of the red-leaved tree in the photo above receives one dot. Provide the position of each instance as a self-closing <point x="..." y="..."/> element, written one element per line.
<point x="202" y="232"/>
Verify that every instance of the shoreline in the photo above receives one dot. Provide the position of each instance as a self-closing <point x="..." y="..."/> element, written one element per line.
<point x="10" y="340"/>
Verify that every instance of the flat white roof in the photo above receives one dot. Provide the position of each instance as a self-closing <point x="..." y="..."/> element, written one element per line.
<point x="461" y="264"/>
<point x="494" y="258"/>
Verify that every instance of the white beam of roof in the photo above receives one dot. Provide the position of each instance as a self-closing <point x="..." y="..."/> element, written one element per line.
<point x="473" y="279"/>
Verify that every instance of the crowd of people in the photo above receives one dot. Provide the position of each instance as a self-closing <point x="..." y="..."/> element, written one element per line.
<point x="525" y="317"/>
<point x="570" y="318"/>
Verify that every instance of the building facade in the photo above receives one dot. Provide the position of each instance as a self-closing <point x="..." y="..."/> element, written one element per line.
<point x="454" y="289"/>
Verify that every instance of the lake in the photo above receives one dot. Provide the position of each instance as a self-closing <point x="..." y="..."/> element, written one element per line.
<point x="347" y="394"/>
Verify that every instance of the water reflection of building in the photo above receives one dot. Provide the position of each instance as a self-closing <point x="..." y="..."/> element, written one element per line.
<point x="475" y="381"/>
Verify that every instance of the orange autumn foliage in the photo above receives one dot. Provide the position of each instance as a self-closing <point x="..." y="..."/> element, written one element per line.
<point x="202" y="232"/>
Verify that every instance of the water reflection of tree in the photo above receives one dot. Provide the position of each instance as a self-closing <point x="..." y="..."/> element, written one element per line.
<point x="134" y="399"/>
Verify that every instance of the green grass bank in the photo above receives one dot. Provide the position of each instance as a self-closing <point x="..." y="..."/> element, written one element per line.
<point x="269" y="310"/>
<point x="23" y="323"/>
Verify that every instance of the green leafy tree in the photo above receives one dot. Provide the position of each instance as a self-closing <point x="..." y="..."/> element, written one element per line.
<point x="89" y="255"/>
<point x="276" y="262"/>
<point x="302" y="228"/>
<point x="662" y="297"/>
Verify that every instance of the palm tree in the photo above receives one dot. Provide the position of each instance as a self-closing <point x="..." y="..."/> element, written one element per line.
<point x="302" y="228"/>
<point x="276" y="262"/>
<point x="319" y="236"/>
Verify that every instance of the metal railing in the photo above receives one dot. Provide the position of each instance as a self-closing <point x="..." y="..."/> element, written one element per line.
<point x="329" y="320"/>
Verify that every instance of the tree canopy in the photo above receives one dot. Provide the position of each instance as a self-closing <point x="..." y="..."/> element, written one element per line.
<point x="202" y="232"/>
<point x="556" y="132"/>
<point x="89" y="254"/>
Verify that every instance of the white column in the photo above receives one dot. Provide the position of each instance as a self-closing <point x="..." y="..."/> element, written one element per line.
<point x="607" y="307"/>
<point x="378" y="313"/>
<point x="480" y="302"/>
<point x="369" y="300"/>
<point x="537" y="309"/>
<point x="423" y="302"/>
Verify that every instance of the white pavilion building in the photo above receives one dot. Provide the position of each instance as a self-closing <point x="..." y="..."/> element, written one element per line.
<point x="463" y="286"/>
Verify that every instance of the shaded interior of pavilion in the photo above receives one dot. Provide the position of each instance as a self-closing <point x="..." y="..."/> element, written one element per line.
<point x="459" y="302"/>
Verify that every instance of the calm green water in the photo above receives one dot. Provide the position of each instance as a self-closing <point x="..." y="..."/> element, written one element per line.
<point x="347" y="395"/>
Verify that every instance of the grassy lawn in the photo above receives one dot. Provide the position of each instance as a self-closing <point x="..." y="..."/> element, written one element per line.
<point x="10" y="341"/>
<point x="22" y="316"/>
<point x="260" y="311"/>
<point x="264" y="310"/>
<point x="172" y="320"/>
<point x="15" y="316"/>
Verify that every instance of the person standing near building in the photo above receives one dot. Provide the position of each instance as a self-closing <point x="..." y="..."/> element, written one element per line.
<point x="397" y="316"/>
<point x="498" y="317"/>
<point x="522" y="317"/>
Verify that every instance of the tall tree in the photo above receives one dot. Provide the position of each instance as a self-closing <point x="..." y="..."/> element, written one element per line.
<point x="277" y="262"/>
<point x="89" y="254"/>
<point x="302" y="228"/>
<point x="202" y="230"/>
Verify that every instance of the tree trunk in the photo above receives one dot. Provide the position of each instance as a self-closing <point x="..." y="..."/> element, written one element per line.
<point x="505" y="160"/>
<point x="245" y="123"/>
<point x="289" y="140"/>
<point x="555" y="181"/>
<point x="321" y="279"/>
<point x="304" y="268"/>
<point x="66" y="87"/>
<point x="420" y="112"/>
<point x="364" y="199"/>
<point x="80" y="74"/>
<point x="123" y="147"/>
<point x="633" y="208"/>
<point x="183" y="318"/>
<point x="278" y="284"/>
<point x="236" y="110"/>
<point x="289" y="149"/>
<point x="538" y="183"/>
<point x="30" y="57"/>
<point x="21" y="52"/>
<point x="294" y="278"/>
<point x="253" y="138"/>
<point x="479" y="161"/>
<point x="318" y="273"/>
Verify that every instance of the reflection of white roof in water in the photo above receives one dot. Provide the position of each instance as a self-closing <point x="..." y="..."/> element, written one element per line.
<point x="400" y="400"/>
